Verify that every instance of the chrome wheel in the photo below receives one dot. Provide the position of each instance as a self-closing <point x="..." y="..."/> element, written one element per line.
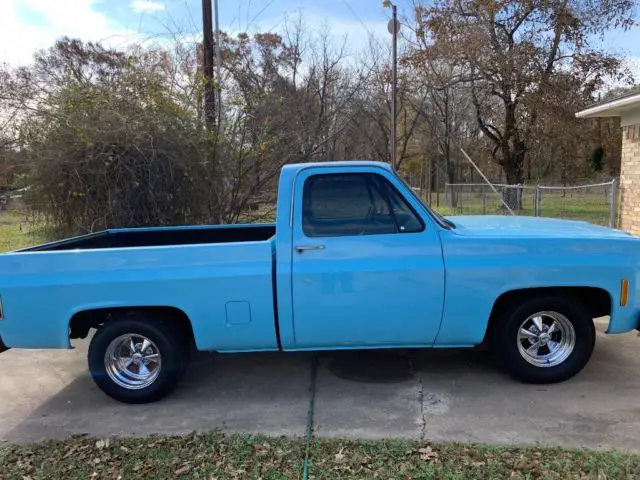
<point x="132" y="361"/>
<point x="546" y="339"/>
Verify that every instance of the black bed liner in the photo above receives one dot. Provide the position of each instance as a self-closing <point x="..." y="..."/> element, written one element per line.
<point x="161" y="237"/>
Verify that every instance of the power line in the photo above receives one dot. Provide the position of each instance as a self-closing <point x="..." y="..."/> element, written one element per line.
<point x="357" y="17"/>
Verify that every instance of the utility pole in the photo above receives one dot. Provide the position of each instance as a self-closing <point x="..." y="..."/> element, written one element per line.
<point x="394" y="28"/>
<point x="218" y="61"/>
<point x="207" y="51"/>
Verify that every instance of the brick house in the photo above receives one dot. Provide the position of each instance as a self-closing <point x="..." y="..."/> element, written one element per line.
<point x="627" y="108"/>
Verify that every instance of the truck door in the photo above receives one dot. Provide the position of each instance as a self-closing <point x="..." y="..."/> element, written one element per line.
<point x="367" y="268"/>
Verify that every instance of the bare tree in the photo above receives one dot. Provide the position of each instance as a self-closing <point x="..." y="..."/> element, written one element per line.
<point x="513" y="54"/>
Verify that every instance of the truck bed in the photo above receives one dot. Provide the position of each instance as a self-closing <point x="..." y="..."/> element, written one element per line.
<point x="162" y="236"/>
<point x="222" y="282"/>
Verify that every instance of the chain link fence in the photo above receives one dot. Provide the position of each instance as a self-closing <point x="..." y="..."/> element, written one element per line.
<point x="594" y="203"/>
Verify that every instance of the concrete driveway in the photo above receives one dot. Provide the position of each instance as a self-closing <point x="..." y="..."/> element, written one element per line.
<point x="434" y="395"/>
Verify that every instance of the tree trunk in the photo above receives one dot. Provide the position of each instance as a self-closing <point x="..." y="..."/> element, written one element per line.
<point x="513" y="167"/>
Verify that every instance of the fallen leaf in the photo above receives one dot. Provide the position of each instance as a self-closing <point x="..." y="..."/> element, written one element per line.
<point x="183" y="470"/>
<point x="100" y="444"/>
<point x="427" y="454"/>
<point x="339" y="457"/>
<point x="71" y="451"/>
<point x="261" y="449"/>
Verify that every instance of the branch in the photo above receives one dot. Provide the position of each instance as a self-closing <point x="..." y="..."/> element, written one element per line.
<point x="486" y="129"/>
<point x="554" y="47"/>
<point x="521" y="20"/>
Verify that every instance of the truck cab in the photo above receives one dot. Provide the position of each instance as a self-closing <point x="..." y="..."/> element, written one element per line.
<point x="362" y="255"/>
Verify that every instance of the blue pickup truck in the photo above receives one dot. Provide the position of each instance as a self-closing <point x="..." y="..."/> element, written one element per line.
<point x="355" y="260"/>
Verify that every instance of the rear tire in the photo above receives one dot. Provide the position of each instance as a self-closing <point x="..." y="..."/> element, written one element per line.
<point x="138" y="360"/>
<point x="557" y="351"/>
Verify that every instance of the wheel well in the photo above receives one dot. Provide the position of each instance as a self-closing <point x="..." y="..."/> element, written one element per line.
<point x="597" y="300"/>
<point x="84" y="321"/>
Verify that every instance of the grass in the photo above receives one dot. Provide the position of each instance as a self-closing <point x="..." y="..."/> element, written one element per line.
<point x="594" y="213"/>
<point x="591" y="207"/>
<point x="218" y="456"/>
<point x="15" y="232"/>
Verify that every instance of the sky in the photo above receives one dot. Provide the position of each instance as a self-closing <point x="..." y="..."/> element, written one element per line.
<point x="27" y="25"/>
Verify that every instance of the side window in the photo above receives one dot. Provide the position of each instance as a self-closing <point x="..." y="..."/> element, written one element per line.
<point x="355" y="204"/>
<point x="405" y="217"/>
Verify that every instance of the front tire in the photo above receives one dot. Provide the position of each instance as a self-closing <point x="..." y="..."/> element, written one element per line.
<point x="137" y="360"/>
<point x="544" y="340"/>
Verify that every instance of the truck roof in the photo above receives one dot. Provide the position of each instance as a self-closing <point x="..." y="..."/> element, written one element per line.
<point x="341" y="163"/>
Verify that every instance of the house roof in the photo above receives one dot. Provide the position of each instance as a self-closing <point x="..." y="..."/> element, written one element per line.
<point x="625" y="104"/>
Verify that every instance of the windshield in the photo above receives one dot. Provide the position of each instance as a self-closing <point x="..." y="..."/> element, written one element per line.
<point x="444" y="222"/>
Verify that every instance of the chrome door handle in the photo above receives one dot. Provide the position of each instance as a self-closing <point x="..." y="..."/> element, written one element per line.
<point x="302" y="248"/>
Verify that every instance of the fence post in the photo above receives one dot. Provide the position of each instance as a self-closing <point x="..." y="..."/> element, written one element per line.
<point x="536" y="201"/>
<point x="612" y="205"/>
<point x="484" y="200"/>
